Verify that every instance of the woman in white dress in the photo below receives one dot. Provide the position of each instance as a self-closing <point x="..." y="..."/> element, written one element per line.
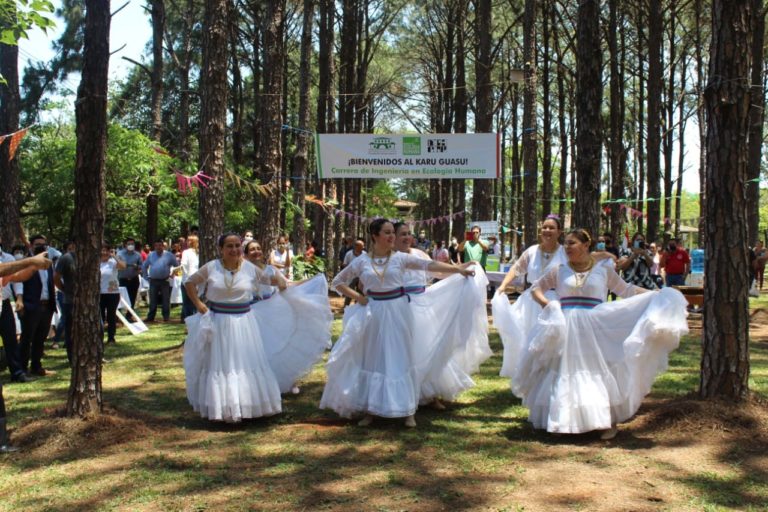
<point x="450" y="326"/>
<point x="514" y="321"/>
<point x="371" y="369"/>
<point x="281" y="258"/>
<point x="295" y="324"/>
<point x="589" y="363"/>
<point x="227" y="372"/>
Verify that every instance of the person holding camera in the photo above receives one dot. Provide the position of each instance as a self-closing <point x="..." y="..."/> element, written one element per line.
<point x="636" y="263"/>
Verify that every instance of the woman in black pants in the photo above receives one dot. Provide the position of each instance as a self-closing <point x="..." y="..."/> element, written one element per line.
<point x="110" y="289"/>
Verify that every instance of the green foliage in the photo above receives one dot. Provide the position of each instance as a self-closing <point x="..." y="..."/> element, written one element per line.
<point x="17" y="17"/>
<point x="380" y="200"/>
<point x="303" y="269"/>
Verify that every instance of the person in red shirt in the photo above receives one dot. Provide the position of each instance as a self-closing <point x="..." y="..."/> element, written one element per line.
<point x="676" y="263"/>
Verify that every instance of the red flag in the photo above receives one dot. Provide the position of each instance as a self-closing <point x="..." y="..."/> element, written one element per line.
<point x="15" y="141"/>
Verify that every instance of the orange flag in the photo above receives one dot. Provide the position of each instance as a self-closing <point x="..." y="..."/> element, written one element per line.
<point x="15" y="141"/>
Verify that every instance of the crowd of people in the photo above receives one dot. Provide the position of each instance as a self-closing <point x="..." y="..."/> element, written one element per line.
<point x="417" y="331"/>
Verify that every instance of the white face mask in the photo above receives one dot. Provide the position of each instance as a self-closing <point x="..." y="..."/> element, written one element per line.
<point x="18" y="255"/>
<point x="130" y="247"/>
<point x="248" y="239"/>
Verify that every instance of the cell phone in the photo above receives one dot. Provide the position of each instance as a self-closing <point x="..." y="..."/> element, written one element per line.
<point x="469" y="236"/>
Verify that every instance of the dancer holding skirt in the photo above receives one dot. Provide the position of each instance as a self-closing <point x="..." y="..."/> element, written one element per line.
<point x="371" y="369"/>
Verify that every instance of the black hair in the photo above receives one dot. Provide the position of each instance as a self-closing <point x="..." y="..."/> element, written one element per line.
<point x="555" y="219"/>
<point x="375" y="227"/>
<point x="129" y="240"/>
<point x="397" y="225"/>
<point x="582" y="235"/>
<point x="478" y="228"/>
<point x="226" y="235"/>
<point x="246" y="246"/>
<point x="159" y="240"/>
<point x="37" y="237"/>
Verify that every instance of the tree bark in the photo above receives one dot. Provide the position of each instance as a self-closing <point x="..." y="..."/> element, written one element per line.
<point x="10" y="103"/>
<point x="300" y="162"/>
<point x="158" y="30"/>
<point x="460" y="111"/>
<point x="213" y="113"/>
<point x="617" y="151"/>
<point x="530" y="126"/>
<point x="271" y="125"/>
<point x="655" y="17"/>
<point x="481" y="189"/>
<point x="725" y="354"/>
<point x="589" y="92"/>
<point x="757" y="118"/>
<point x="84" y="398"/>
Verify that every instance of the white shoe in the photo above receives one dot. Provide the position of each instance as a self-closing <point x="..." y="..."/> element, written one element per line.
<point x="410" y="421"/>
<point x="366" y="421"/>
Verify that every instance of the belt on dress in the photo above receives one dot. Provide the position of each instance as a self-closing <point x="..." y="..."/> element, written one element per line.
<point x="415" y="290"/>
<point x="230" y="308"/>
<point x="579" y="302"/>
<point x="259" y="298"/>
<point x="389" y="294"/>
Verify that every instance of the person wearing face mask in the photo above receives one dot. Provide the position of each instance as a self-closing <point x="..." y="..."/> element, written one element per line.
<point x="676" y="263"/>
<point x="636" y="263"/>
<point x="8" y="327"/>
<point x="282" y="257"/>
<point x="129" y="276"/>
<point x="35" y="304"/>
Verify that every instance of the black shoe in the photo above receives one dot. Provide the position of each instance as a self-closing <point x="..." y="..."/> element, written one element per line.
<point x="22" y="377"/>
<point x="5" y="441"/>
<point x="111" y="341"/>
<point x="149" y="320"/>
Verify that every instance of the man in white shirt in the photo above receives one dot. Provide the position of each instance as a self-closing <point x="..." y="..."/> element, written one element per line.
<point x="8" y="327"/>
<point x="357" y="250"/>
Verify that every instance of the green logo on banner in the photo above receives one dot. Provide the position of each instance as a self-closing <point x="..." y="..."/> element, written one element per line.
<point x="411" y="145"/>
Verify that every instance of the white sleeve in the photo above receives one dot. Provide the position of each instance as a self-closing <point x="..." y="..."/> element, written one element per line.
<point x="346" y="276"/>
<point x="521" y="264"/>
<point x="201" y="276"/>
<point x="547" y="281"/>
<point x="416" y="262"/>
<point x="619" y="286"/>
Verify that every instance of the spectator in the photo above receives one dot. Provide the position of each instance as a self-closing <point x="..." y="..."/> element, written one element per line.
<point x="110" y="289"/>
<point x="475" y="249"/>
<point x="610" y="247"/>
<point x="349" y="243"/>
<point x="247" y="236"/>
<point x="676" y="263"/>
<point x="309" y="254"/>
<point x="423" y="242"/>
<point x="35" y="304"/>
<point x="495" y="246"/>
<point x="158" y="268"/>
<point x="129" y="276"/>
<point x="282" y="257"/>
<point x="440" y="253"/>
<point x="358" y="249"/>
<point x="145" y="252"/>
<point x="58" y="336"/>
<point x="656" y="266"/>
<point x="8" y="327"/>
<point x="453" y="251"/>
<point x="64" y="277"/>
<point x="761" y="257"/>
<point x="636" y="262"/>
<point x="190" y="262"/>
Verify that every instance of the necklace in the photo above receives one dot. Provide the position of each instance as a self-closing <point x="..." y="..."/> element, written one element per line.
<point x="229" y="283"/>
<point x="382" y="262"/>
<point x="581" y="275"/>
<point x="547" y="255"/>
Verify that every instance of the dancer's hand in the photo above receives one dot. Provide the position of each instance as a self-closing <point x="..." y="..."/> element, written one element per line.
<point x="202" y="309"/>
<point x="362" y="300"/>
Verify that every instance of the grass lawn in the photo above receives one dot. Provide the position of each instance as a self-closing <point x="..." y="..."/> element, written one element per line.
<point x="151" y="452"/>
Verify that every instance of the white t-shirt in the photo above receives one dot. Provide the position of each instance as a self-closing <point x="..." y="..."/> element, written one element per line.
<point x="190" y="262"/>
<point x="351" y="256"/>
<point x="109" y="282"/>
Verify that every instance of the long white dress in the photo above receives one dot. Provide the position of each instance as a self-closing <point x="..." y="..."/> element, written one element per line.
<point x="295" y="326"/>
<point x="588" y="363"/>
<point x="227" y="372"/>
<point x="514" y="321"/>
<point x="371" y="368"/>
<point x="450" y="330"/>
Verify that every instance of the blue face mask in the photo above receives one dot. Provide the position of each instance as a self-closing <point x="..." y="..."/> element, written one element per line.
<point x="600" y="246"/>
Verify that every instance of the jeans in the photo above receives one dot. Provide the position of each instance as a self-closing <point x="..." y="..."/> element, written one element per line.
<point x="162" y="287"/>
<point x="35" y="326"/>
<point x="132" y="286"/>
<point x="187" y="308"/>
<point x="66" y="316"/>
<point x="108" y="307"/>
<point x="675" y="279"/>
<point x="59" y="333"/>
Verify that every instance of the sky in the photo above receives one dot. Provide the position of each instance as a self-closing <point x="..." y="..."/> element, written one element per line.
<point x="131" y="30"/>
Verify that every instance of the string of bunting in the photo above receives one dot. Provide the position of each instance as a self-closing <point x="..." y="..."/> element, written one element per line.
<point x="341" y="213"/>
<point x="15" y="140"/>
<point x="265" y="190"/>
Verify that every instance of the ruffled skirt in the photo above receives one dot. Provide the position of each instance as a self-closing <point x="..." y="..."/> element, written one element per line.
<point x="227" y="373"/>
<point x="585" y="370"/>
<point x="450" y="335"/>
<point x="370" y="369"/>
<point x="295" y="327"/>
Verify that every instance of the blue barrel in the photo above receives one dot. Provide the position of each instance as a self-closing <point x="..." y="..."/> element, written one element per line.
<point x="697" y="260"/>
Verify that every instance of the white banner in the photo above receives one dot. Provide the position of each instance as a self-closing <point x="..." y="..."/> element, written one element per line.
<point x="414" y="156"/>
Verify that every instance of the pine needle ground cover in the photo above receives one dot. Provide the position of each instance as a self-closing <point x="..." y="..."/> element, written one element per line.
<point x="150" y="451"/>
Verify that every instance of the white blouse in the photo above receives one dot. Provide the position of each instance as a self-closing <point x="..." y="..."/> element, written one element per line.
<point x="534" y="263"/>
<point x="229" y="286"/>
<point x="596" y="282"/>
<point x="380" y="278"/>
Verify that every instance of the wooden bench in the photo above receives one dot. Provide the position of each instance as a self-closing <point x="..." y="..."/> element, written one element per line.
<point x="693" y="294"/>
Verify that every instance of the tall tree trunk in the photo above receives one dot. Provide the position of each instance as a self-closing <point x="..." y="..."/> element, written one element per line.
<point x="617" y="151"/>
<point x="641" y="158"/>
<point x="655" y="17"/>
<point x="515" y="217"/>
<point x="530" y="126"/>
<point x="300" y="162"/>
<point x="237" y="102"/>
<point x="546" y="157"/>
<point x="10" y="196"/>
<point x="756" y="120"/>
<point x="589" y="92"/>
<point x="701" y="122"/>
<point x="84" y="396"/>
<point x="481" y="189"/>
<point x="681" y="141"/>
<point x="271" y="124"/>
<point x="213" y="115"/>
<point x="460" y="110"/>
<point x="669" y="108"/>
<point x="158" y="30"/>
<point x="561" y="113"/>
<point x="725" y="354"/>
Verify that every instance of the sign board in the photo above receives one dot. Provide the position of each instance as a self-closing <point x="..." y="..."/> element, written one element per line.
<point x="413" y="156"/>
